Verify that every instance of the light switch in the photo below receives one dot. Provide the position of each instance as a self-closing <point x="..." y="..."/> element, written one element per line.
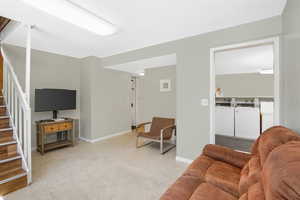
<point x="204" y="102"/>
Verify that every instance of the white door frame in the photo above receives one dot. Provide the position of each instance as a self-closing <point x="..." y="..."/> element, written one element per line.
<point x="275" y="42"/>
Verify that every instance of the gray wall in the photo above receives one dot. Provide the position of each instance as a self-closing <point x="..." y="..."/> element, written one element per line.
<point x="47" y="71"/>
<point x="150" y="101"/>
<point x="105" y="101"/>
<point x="291" y="64"/>
<point x="86" y="99"/>
<point x="246" y="85"/>
<point x="192" y="76"/>
<point x="102" y="94"/>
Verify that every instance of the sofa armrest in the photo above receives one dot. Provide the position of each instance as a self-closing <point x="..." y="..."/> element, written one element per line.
<point x="227" y="155"/>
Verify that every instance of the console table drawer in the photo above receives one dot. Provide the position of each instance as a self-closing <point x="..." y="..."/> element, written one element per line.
<point x="51" y="128"/>
<point x="65" y="126"/>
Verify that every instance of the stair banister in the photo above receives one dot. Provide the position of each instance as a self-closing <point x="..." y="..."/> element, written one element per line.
<point x="18" y="105"/>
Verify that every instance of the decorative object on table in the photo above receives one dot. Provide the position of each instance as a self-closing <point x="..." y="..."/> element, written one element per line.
<point x="219" y="92"/>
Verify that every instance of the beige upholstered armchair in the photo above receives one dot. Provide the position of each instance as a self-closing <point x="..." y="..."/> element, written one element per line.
<point x="161" y="131"/>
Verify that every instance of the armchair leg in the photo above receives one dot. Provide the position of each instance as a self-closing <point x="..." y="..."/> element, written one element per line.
<point x="161" y="145"/>
<point x="162" y="150"/>
<point x="168" y="149"/>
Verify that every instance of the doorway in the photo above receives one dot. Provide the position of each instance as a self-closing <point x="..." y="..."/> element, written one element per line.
<point x="133" y="101"/>
<point x="237" y="112"/>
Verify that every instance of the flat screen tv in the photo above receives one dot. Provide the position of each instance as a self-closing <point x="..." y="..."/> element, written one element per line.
<point x="54" y="100"/>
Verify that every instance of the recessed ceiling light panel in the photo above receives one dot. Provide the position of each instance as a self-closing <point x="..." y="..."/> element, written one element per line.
<point x="74" y="14"/>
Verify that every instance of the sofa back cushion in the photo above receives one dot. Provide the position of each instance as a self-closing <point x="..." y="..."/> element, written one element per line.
<point x="269" y="131"/>
<point x="281" y="173"/>
<point x="262" y="147"/>
<point x="250" y="174"/>
<point x="272" y="138"/>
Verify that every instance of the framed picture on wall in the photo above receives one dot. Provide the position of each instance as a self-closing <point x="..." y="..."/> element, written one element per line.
<point x="165" y="85"/>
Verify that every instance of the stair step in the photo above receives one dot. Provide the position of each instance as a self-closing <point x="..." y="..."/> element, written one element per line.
<point x="4" y="123"/>
<point x="13" y="181"/>
<point x="8" y="158"/>
<point x="6" y="136"/>
<point x="8" y="143"/>
<point x="12" y="175"/>
<point x="4" y="117"/>
<point x="10" y="166"/>
<point x="8" y="150"/>
<point x="2" y="101"/>
<point x="6" y="129"/>
<point x="3" y="110"/>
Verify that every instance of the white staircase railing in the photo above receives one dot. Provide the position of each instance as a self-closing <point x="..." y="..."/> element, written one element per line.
<point x="19" y="111"/>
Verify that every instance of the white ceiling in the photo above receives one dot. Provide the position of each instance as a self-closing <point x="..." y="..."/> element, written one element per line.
<point x="139" y="66"/>
<point x="246" y="60"/>
<point x="140" y="23"/>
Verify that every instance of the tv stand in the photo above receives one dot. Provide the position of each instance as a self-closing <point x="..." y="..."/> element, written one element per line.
<point x="64" y="130"/>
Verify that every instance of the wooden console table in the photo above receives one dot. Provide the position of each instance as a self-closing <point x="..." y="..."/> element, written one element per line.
<point x="64" y="130"/>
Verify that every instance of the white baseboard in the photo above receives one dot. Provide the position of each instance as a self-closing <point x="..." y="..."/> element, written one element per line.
<point x="85" y="139"/>
<point x="184" y="160"/>
<point x="105" y="137"/>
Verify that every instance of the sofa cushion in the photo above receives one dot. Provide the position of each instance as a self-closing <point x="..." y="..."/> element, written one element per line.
<point x="244" y="197"/>
<point x="273" y="138"/>
<point x="199" y="167"/>
<point x="254" y="146"/>
<point x="224" y="176"/>
<point x="281" y="172"/>
<point x="243" y="184"/>
<point x="182" y="189"/>
<point x="207" y="191"/>
<point x="255" y="192"/>
<point x="250" y="174"/>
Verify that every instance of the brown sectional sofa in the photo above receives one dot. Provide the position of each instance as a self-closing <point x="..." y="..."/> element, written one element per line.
<point x="270" y="172"/>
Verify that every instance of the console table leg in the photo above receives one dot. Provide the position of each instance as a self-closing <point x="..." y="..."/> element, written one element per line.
<point x="43" y="143"/>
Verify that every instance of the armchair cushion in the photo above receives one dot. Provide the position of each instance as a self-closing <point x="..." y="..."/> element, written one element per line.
<point x="160" y="123"/>
<point x="148" y="135"/>
<point x="227" y="155"/>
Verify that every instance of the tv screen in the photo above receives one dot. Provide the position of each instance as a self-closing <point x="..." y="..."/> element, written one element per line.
<point x="54" y="100"/>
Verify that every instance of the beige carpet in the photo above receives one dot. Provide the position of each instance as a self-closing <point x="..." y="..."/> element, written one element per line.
<point x="108" y="170"/>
